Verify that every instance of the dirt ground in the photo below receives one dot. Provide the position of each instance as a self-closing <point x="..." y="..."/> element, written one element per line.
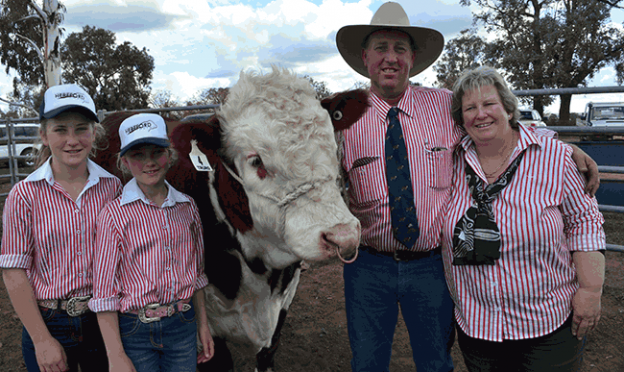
<point x="314" y="337"/>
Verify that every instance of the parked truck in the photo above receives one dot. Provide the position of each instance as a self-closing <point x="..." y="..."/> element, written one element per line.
<point x="603" y="114"/>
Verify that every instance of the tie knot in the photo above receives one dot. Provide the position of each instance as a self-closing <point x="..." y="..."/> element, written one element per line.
<point x="393" y="113"/>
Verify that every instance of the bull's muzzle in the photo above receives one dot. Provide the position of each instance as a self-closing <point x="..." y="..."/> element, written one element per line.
<point x="345" y="240"/>
<point x="349" y="260"/>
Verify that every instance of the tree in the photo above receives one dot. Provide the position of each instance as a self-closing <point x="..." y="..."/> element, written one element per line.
<point x="465" y="51"/>
<point x="30" y="42"/>
<point x="116" y="76"/>
<point x="210" y="96"/>
<point x="213" y="96"/>
<point x="552" y="43"/>
<point x="166" y="99"/>
<point x="361" y="85"/>
<point x="319" y="86"/>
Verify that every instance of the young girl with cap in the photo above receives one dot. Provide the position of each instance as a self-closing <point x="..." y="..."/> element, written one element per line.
<point x="48" y="240"/>
<point x="149" y="262"/>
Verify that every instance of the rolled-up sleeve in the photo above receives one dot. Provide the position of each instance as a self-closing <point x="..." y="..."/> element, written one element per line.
<point x="17" y="236"/>
<point x="581" y="217"/>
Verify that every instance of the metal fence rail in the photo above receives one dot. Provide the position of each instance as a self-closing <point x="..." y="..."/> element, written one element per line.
<point x="607" y="165"/>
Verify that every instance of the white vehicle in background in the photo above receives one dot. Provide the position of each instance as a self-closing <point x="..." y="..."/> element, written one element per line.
<point x="531" y="118"/>
<point x="25" y="137"/>
<point x="603" y="114"/>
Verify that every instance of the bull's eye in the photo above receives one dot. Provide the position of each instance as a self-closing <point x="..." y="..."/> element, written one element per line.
<point x="337" y="115"/>
<point x="256" y="162"/>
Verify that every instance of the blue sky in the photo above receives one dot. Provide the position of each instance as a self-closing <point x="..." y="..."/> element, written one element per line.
<point x="200" y="44"/>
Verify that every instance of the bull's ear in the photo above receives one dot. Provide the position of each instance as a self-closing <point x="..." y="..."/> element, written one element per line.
<point x="183" y="175"/>
<point x="345" y="108"/>
<point x="186" y="178"/>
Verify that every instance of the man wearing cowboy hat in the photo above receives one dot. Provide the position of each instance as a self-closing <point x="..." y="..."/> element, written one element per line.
<point x="394" y="269"/>
<point x="399" y="160"/>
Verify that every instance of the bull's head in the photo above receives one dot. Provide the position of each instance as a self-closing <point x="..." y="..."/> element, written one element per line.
<point x="275" y="181"/>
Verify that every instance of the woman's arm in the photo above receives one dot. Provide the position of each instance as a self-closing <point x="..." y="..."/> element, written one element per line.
<point x="49" y="352"/>
<point x="590" y="271"/>
<point x="117" y="358"/>
<point x="585" y="237"/>
<point x="203" y="330"/>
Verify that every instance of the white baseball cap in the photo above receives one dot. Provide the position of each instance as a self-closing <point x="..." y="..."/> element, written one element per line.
<point x="143" y="128"/>
<point x="60" y="98"/>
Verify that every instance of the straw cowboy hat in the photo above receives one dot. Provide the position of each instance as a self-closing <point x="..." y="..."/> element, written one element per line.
<point x="428" y="42"/>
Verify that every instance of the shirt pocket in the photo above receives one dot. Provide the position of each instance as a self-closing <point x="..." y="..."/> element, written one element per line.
<point x="368" y="183"/>
<point x="440" y="163"/>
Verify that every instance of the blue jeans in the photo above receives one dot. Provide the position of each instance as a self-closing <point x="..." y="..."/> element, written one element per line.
<point x="169" y="344"/>
<point x="80" y="337"/>
<point x="375" y="286"/>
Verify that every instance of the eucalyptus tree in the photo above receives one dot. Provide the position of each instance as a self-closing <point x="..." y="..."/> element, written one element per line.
<point x="552" y="43"/>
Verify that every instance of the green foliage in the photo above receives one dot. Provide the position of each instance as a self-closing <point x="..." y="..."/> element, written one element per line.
<point x="465" y="51"/>
<point x="22" y="41"/>
<point x="116" y="76"/>
<point x="552" y="43"/>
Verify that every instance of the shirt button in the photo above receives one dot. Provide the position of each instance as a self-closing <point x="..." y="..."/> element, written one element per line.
<point x="77" y="211"/>
<point x="168" y="268"/>
<point x="77" y="231"/>
<point x="165" y="227"/>
<point x="80" y="275"/>
<point x="79" y="253"/>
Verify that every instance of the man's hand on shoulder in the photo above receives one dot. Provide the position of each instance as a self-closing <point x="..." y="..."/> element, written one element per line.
<point x="588" y="167"/>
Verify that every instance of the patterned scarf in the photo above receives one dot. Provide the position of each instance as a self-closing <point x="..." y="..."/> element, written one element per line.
<point x="476" y="238"/>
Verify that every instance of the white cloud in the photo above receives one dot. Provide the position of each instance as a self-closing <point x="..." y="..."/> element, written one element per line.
<point x="202" y="44"/>
<point x="184" y="86"/>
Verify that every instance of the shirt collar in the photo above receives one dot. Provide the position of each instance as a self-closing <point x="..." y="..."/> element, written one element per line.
<point x="380" y="107"/>
<point x="132" y="192"/>
<point x="527" y="138"/>
<point x="44" y="172"/>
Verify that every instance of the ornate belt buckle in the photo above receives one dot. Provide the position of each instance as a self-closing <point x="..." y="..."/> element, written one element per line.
<point x="71" y="306"/>
<point x="143" y="318"/>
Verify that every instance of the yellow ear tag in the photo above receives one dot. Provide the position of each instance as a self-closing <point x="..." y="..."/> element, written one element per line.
<point x="199" y="159"/>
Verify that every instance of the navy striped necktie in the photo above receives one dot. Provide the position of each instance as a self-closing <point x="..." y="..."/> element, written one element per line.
<point x="402" y="206"/>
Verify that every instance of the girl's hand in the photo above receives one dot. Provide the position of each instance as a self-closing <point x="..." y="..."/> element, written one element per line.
<point x="207" y="343"/>
<point x="50" y="355"/>
<point x="120" y="363"/>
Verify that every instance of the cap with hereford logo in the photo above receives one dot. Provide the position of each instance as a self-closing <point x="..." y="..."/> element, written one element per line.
<point x="60" y="98"/>
<point x="143" y="129"/>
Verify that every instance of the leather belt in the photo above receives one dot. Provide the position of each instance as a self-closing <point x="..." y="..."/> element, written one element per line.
<point x="154" y="311"/>
<point x="402" y="254"/>
<point x="74" y="306"/>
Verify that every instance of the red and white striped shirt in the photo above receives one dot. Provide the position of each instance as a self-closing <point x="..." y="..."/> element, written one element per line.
<point x="430" y="135"/>
<point x="543" y="215"/>
<point x="147" y="253"/>
<point x="50" y="235"/>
